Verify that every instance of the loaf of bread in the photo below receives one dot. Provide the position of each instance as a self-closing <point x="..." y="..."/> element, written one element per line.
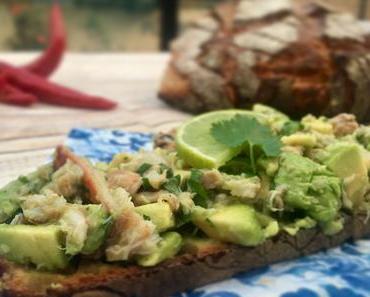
<point x="298" y="57"/>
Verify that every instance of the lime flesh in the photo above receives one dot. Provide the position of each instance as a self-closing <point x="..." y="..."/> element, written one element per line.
<point x="195" y="144"/>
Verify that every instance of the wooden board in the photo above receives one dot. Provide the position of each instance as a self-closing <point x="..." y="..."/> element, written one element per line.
<point x="28" y="135"/>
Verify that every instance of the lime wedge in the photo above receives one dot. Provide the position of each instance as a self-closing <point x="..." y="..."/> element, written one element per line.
<point x="195" y="144"/>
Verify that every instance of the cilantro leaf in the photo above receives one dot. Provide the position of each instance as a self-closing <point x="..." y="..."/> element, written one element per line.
<point x="146" y="184"/>
<point x="194" y="185"/>
<point x="167" y="169"/>
<point x="290" y="127"/>
<point x="182" y="218"/>
<point x="245" y="131"/>
<point x="237" y="166"/>
<point x="173" y="184"/>
<point x="169" y="173"/>
<point x="143" y="168"/>
<point x="242" y="129"/>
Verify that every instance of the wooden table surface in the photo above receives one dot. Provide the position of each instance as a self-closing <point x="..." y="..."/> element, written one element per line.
<point x="28" y="135"/>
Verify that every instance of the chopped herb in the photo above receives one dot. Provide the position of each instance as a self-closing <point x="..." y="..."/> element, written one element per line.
<point x="246" y="132"/>
<point x="194" y="185"/>
<point x="237" y="166"/>
<point x="163" y="168"/>
<point x="172" y="185"/>
<point x="143" y="168"/>
<point x="169" y="173"/>
<point x="210" y="222"/>
<point x="182" y="218"/>
<point x="146" y="184"/>
<point x="108" y="221"/>
<point x="146" y="218"/>
<point x="23" y="179"/>
<point x="290" y="127"/>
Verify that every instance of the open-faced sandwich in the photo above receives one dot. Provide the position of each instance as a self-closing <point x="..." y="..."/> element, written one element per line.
<point x="227" y="192"/>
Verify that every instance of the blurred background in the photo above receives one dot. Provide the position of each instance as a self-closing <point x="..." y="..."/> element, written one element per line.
<point x="108" y="25"/>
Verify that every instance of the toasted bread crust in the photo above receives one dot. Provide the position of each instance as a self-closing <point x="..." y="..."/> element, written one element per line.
<point x="183" y="272"/>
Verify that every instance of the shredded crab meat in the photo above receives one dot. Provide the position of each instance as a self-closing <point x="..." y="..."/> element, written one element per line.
<point x="276" y="198"/>
<point x="40" y="209"/>
<point x="128" y="162"/>
<point x="186" y="202"/>
<point x="293" y="149"/>
<point x="132" y="234"/>
<point x="122" y="178"/>
<point x="92" y="179"/>
<point x="344" y="124"/>
<point x="212" y="179"/>
<point x="66" y="181"/>
<point x="245" y="188"/>
<point x="169" y="198"/>
<point x="151" y="197"/>
<point x="74" y="224"/>
<point x="155" y="177"/>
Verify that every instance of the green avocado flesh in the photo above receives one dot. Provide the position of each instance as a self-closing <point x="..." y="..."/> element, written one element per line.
<point x="159" y="213"/>
<point x="310" y="187"/>
<point x="348" y="163"/>
<point x="231" y="177"/>
<point x="9" y="195"/>
<point x="41" y="246"/>
<point x="99" y="223"/>
<point x="168" y="247"/>
<point x="236" y="224"/>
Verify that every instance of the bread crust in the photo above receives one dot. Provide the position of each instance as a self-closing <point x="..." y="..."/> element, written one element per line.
<point x="183" y="272"/>
<point x="298" y="57"/>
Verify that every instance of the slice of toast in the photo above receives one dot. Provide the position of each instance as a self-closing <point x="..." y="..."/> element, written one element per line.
<point x="93" y="279"/>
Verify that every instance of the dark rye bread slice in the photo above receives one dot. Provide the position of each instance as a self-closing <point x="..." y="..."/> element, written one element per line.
<point x="183" y="272"/>
<point x="301" y="57"/>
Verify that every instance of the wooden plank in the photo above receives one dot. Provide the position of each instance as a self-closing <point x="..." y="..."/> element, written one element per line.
<point x="14" y="164"/>
<point x="28" y="135"/>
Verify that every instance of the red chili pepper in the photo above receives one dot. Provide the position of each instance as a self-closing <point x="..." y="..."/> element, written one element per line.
<point x="11" y="95"/>
<point x="52" y="93"/>
<point x="52" y="56"/>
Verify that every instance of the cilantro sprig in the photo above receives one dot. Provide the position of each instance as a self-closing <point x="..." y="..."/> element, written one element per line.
<point x="245" y="132"/>
<point x="194" y="185"/>
<point x="143" y="168"/>
<point x="173" y="185"/>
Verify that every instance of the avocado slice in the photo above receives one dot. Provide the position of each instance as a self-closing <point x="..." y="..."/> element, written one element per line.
<point x="24" y="185"/>
<point x="168" y="247"/>
<point x="159" y="213"/>
<point x="347" y="162"/>
<point x="99" y="222"/>
<point x="38" y="245"/>
<point x="236" y="223"/>
<point x="310" y="187"/>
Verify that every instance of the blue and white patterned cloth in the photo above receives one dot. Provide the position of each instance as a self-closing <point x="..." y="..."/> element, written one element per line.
<point x="102" y="145"/>
<point x="339" y="272"/>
